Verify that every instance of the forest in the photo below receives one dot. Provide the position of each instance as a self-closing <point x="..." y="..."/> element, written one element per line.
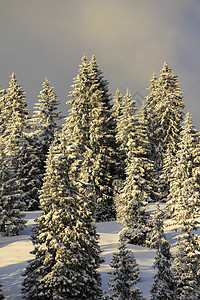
<point x="108" y="161"/>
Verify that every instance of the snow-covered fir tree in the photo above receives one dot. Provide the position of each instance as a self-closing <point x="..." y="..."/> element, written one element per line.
<point x="11" y="206"/>
<point x="157" y="227"/>
<point x="163" y="110"/>
<point x="45" y="118"/>
<point x="125" y="275"/>
<point x="184" y="204"/>
<point x="131" y="203"/>
<point x="169" y="162"/>
<point x="147" y="113"/>
<point x="169" y="109"/>
<point x="44" y="124"/>
<point x="2" y="105"/>
<point x="15" y="109"/>
<point x="164" y="285"/>
<point x="184" y="194"/>
<point x="66" y="248"/>
<point x="29" y="170"/>
<point x="117" y="104"/>
<point x="187" y="266"/>
<point x="25" y="163"/>
<point x="117" y="115"/>
<point x="91" y="128"/>
<point x="126" y="122"/>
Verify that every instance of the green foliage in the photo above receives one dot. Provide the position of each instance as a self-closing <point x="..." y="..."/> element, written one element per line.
<point x="65" y="242"/>
<point x="90" y="129"/>
<point x="125" y="275"/>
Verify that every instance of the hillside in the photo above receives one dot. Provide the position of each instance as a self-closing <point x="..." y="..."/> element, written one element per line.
<point x="14" y="253"/>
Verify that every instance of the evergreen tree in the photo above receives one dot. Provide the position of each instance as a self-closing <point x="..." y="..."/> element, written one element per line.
<point x="11" y="216"/>
<point x="117" y="115"/>
<point x="131" y="203"/>
<point x="17" y="145"/>
<point x="169" y="162"/>
<point x="44" y="124"/>
<point x="184" y="194"/>
<point x="29" y="169"/>
<point x="126" y="275"/>
<point x="148" y="114"/>
<point x="164" y="284"/>
<point x="169" y="110"/>
<point x="187" y="266"/>
<point x="14" y="110"/>
<point x="183" y="203"/>
<point x="117" y="105"/>
<point x="126" y="121"/>
<point x="13" y="152"/>
<point x="91" y="127"/>
<point x="45" y="119"/>
<point x="65" y="242"/>
<point x="2" y="106"/>
<point x="163" y="111"/>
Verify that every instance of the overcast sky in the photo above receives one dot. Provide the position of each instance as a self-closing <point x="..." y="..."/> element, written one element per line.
<point x="131" y="39"/>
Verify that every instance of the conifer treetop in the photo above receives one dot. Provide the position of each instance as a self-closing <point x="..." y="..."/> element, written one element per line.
<point x="15" y="106"/>
<point x="184" y="193"/>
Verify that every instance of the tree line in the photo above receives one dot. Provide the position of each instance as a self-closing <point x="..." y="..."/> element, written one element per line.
<point x="107" y="162"/>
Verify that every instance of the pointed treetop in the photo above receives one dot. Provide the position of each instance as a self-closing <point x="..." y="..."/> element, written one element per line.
<point x="153" y="82"/>
<point x="13" y="76"/>
<point x="93" y="58"/>
<point x="188" y="124"/>
<point x="117" y="91"/>
<point x="84" y="57"/>
<point x="13" y="80"/>
<point x="128" y="92"/>
<point x="117" y="103"/>
<point x="165" y="66"/>
<point x="46" y="84"/>
<point x="94" y="64"/>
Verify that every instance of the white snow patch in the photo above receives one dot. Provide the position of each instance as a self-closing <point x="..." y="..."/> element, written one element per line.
<point x="14" y="254"/>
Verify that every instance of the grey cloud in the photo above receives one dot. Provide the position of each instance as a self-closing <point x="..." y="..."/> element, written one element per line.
<point x="130" y="39"/>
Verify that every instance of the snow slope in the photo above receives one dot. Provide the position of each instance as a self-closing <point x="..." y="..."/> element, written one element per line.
<point x="14" y="253"/>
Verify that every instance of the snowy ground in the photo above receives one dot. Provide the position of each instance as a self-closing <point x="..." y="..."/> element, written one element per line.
<point x="14" y="253"/>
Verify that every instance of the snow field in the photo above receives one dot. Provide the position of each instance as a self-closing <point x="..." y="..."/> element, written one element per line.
<point x="15" y="252"/>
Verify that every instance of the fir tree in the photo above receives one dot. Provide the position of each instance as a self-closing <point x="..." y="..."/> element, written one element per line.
<point x="45" y="118"/>
<point x="148" y="114"/>
<point x="183" y="203"/>
<point x="2" y="106"/>
<point x="126" y="275"/>
<point x="126" y="121"/>
<point x="120" y="152"/>
<point x="13" y="185"/>
<point x="187" y="266"/>
<point x="90" y="126"/>
<point x="169" y="110"/>
<point x="11" y="216"/>
<point x="29" y="170"/>
<point x="131" y="203"/>
<point x="15" y="110"/>
<point x="117" y="105"/>
<point x="184" y="194"/>
<point x="17" y="143"/>
<point x="65" y="242"/>
<point x="164" y="284"/>
<point x="163" y="111"/>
